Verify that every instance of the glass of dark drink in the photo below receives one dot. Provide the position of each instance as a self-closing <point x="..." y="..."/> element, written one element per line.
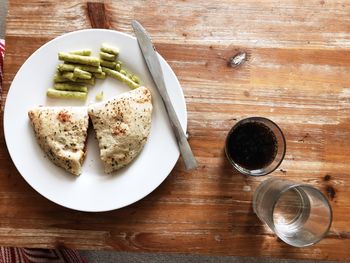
<point x="255" y="146"/>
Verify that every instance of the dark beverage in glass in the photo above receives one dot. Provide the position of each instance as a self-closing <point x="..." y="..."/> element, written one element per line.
<point x="255" y="146"/>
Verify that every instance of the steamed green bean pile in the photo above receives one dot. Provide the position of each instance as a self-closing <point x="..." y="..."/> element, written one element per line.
<point x="80" y="70"/>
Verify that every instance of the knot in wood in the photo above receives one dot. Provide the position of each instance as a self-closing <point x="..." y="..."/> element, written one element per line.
<point x="237" y="59"/>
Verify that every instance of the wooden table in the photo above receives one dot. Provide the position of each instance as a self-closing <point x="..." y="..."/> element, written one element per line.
<point x="297" y="73"/>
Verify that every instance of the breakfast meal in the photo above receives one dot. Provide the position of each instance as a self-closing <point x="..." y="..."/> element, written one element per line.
<point x="80" y="70"/>
<point x="62" y="134"/>
<point x="122" y="126"/>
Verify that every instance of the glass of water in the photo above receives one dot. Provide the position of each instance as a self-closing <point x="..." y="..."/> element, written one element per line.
<point x="299" y="214"/>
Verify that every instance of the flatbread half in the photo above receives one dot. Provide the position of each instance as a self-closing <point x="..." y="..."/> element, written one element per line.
<point x="62" y="134"/>
<point x="122" y="126"/>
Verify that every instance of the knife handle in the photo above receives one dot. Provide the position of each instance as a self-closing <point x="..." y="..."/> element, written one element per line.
<point x="186" y="152"/>
<point x="185" y="149"/>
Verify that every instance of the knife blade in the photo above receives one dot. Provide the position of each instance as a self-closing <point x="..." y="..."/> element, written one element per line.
<point x="150" y="55"/>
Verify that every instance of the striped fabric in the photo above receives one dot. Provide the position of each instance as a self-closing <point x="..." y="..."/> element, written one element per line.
<point x="26" y="255"/>
<point x="2" y="54"/>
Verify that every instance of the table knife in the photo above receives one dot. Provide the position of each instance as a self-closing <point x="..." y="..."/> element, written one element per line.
<point x="150" y="55"/>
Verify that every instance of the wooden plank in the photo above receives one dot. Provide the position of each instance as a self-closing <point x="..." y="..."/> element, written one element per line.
<point x="296" y="73"/>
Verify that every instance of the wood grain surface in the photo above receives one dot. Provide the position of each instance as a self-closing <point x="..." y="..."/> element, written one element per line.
<point x="296" y="73"/>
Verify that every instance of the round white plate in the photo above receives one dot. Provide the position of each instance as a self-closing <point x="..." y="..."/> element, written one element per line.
<point x="93" y="190"/>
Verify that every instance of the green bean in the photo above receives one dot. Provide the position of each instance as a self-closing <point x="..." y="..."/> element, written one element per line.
<point x="53" y="93"/>
<point x="70" y="87"/>
<point x="107" y="64"/>
<point x="117" y="75"/>
<point x="109" y="49"/>
<point x="99" y="96"/>
<point x="123" y="71"/>
<point x="100" y="75"/>
<point x="86" y="81"/>
<point x="136" y="79"/>
<point x="129" y="75"/>
<point x="59" y="78"/>
<point x="70" y="67"/>
<point x="81" y="74"/>
<point x="82" y="52"/>
<point x="92" y="61"/>
<point x="89" y="68"/>
<point x="118" y="66"/>
<point x="65" y="67"/>
<point x="69" y="76"/>
<point x="107" y="56"/>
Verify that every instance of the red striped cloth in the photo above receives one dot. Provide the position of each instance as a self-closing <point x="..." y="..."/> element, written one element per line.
<point x="2" y="54"/>
<point x="26" y="255"/>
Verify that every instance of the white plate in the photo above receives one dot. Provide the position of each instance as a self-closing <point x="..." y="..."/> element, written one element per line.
<point x="93" y="190"/>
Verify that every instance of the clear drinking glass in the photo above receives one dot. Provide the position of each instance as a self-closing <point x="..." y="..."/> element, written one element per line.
<point x="299" y="214"/>
<point x="276" y="159"/>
